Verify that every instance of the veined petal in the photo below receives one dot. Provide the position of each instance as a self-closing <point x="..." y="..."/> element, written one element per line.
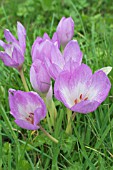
<point x="72" y="51"/>
<point x="21" y="36"/>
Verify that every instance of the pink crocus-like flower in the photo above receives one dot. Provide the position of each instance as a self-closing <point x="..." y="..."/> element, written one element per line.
<point x="27" y="108"/>
<point x="65" y="30"/>
<point x="56" y="61"/>
<point x="13" y="54"/>
<point x="39" y="77"/>
<point x="80" y="90"/>
<point x="42" y="46"/>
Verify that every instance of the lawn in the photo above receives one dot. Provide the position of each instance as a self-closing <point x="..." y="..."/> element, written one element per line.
<point x="89" y="144"/>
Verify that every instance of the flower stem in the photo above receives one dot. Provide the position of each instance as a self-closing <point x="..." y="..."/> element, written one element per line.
<point x="52" y="111"/>
<point x="69" y="116"/>
<point x="73" y="115"/>
<point x="47" y="134"/>
<point x="23" y="79"/>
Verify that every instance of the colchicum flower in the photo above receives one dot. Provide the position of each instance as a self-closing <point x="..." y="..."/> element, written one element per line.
<point x="56" y="61"/>
<point x="13" y="54"/>
<point x="80" y="90"/>
<point x="27" y="108"/>
<point x="39" y="77"/>
<point x="42" y="46"/>
<point x="65" y="30"/>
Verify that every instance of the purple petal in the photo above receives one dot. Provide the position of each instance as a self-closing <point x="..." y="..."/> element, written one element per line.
<point x="26" y="125"/>
<point x="46" y="50"/>
<point x="36" y="42"/>
<point x="9" y="37"/>
<point x="3" y="44"/>
<point x="39" y="114"/>
<point x="7" y="60"/>
<point x="21" y="36"/>
<point x="36" y="53"/>
<point x="65" y="30"/>
<point x="70" y="66"/>
<point x="56" y="62"/>
<point x="55" y="39"/>
<point x="42" y="50"/>
<point x="39" y="77"/>
<point x="72" y="51"/>
<point x="17" y="55"/>
<point x="100" y="86"/>
<point x="85" y="106"/>
<point x="62" y="90"/>
<point x="59" y="27"/>
<point x="46" y="37"/>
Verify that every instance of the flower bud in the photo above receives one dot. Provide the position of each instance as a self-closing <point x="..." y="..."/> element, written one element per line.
<point x="39" y="77"/>
<point x="65" y="30"/>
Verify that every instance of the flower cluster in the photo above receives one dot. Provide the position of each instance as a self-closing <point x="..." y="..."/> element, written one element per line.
<point x="60" y="59"/>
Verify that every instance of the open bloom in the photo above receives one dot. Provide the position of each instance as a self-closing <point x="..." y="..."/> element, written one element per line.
<point x="41" y="49"/>
<point x="56" y="61"/>
<point x="80" y="90"/>
<point x="65" y="30"/>
<point x="27" y="108"/>
<point x="13" y="54"/>
<point x="39" y="77"/>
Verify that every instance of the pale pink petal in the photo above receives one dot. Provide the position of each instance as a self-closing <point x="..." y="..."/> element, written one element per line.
<point x="72" y="51"/>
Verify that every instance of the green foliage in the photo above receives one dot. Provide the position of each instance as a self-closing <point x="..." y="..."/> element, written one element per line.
<point x="91" y="144"/>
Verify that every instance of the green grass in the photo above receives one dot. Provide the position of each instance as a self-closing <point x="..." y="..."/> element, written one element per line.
<point x="91" y="144"/>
